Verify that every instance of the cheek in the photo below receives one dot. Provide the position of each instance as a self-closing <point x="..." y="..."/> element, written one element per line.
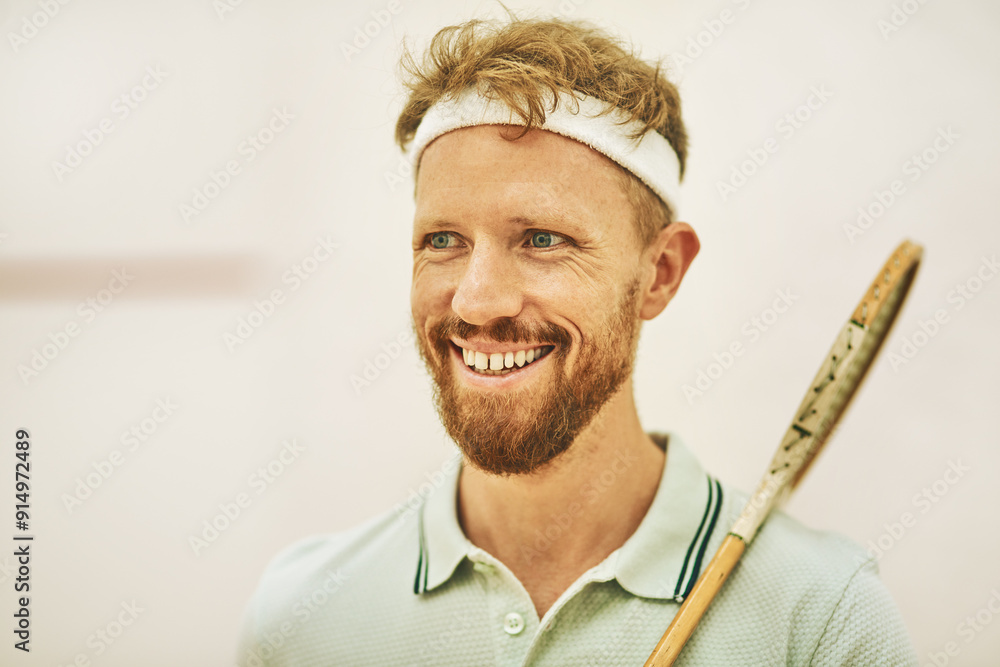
<point x="430" y="293"/>
<point x="570" y="291"/>
<point x="590" y="311"/>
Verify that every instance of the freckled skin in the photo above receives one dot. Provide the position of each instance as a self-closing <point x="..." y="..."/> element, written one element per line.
<point x="475" y="184"/>
<point x="540" y="231"/>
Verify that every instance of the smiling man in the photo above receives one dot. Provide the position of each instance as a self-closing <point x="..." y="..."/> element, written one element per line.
<point x="547" y="159"/>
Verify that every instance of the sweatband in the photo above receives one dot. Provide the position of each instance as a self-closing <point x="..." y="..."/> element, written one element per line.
<point x="651" y="159"/>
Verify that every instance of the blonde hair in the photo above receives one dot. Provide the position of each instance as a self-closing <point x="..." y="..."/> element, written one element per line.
<point x="519" y="59"/>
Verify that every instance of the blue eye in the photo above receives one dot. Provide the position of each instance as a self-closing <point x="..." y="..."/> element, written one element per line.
<point x="545" y="239"/>
<point x="439" y="240"/>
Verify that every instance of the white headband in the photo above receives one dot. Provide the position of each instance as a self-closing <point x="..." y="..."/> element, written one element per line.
<point x="652" y="159"/>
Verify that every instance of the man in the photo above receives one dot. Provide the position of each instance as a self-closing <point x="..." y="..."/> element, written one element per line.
<point x="547" y="160"/>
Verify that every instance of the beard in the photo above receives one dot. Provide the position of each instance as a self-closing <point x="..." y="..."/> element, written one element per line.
<point x="518" y="431"/>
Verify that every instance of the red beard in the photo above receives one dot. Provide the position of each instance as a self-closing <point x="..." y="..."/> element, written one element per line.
<point x="517" y="432"/>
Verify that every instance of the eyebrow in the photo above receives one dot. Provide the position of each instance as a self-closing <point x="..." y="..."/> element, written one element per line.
<point x="568" y="224"/>
<point x="522" y="221"/>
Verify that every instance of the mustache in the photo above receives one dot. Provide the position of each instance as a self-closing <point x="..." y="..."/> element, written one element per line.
<point x="502" y="330"/>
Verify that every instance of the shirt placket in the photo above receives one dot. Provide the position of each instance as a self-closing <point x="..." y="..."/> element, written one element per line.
<point x="512" y="620"/>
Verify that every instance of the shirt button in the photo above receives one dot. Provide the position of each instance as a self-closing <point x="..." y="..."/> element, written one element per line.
<point x="513" y="623"/>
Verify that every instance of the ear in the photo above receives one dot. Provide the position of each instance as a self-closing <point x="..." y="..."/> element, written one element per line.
<point x="664" y="264"/>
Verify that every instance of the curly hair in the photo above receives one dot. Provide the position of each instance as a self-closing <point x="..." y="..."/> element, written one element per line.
<point x="518" y="60"/>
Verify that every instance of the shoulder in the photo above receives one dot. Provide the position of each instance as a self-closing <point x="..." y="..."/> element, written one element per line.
<point x="815" y="593"/>
<point x="300" y="565"/>
<point x="319" y="579"/>
<point x="788" y="553"/>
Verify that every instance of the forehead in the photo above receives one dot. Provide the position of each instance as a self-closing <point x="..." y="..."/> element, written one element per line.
<point x="477" y="167"/>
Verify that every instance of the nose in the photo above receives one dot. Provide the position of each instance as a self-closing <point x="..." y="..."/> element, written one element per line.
<point x="489" y="287"/>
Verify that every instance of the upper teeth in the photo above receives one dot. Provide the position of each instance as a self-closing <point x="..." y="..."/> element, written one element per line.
<point x="499" y="361"/>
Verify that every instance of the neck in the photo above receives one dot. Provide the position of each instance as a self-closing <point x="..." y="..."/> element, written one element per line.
<point x="552" y="525"/>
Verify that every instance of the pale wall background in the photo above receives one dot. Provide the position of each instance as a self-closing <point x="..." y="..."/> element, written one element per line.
<point x="324" y="174"/>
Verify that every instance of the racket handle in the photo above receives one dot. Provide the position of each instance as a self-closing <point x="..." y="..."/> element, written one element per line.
<point x="686" y="620"/>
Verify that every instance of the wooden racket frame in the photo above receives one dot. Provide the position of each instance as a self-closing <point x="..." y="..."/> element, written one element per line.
<point x="842" y="372"/>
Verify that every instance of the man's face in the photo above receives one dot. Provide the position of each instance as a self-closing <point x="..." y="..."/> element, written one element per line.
<point x="525" y="290"/>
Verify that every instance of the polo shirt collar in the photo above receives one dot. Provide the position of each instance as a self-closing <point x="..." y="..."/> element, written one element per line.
<point x="443" y="545"/>
<point x="662" y="559"/>
<point x="665" y="555"/>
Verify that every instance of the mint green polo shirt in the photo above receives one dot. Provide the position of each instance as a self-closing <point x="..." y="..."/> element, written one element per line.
<point x="408" y="588"/>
